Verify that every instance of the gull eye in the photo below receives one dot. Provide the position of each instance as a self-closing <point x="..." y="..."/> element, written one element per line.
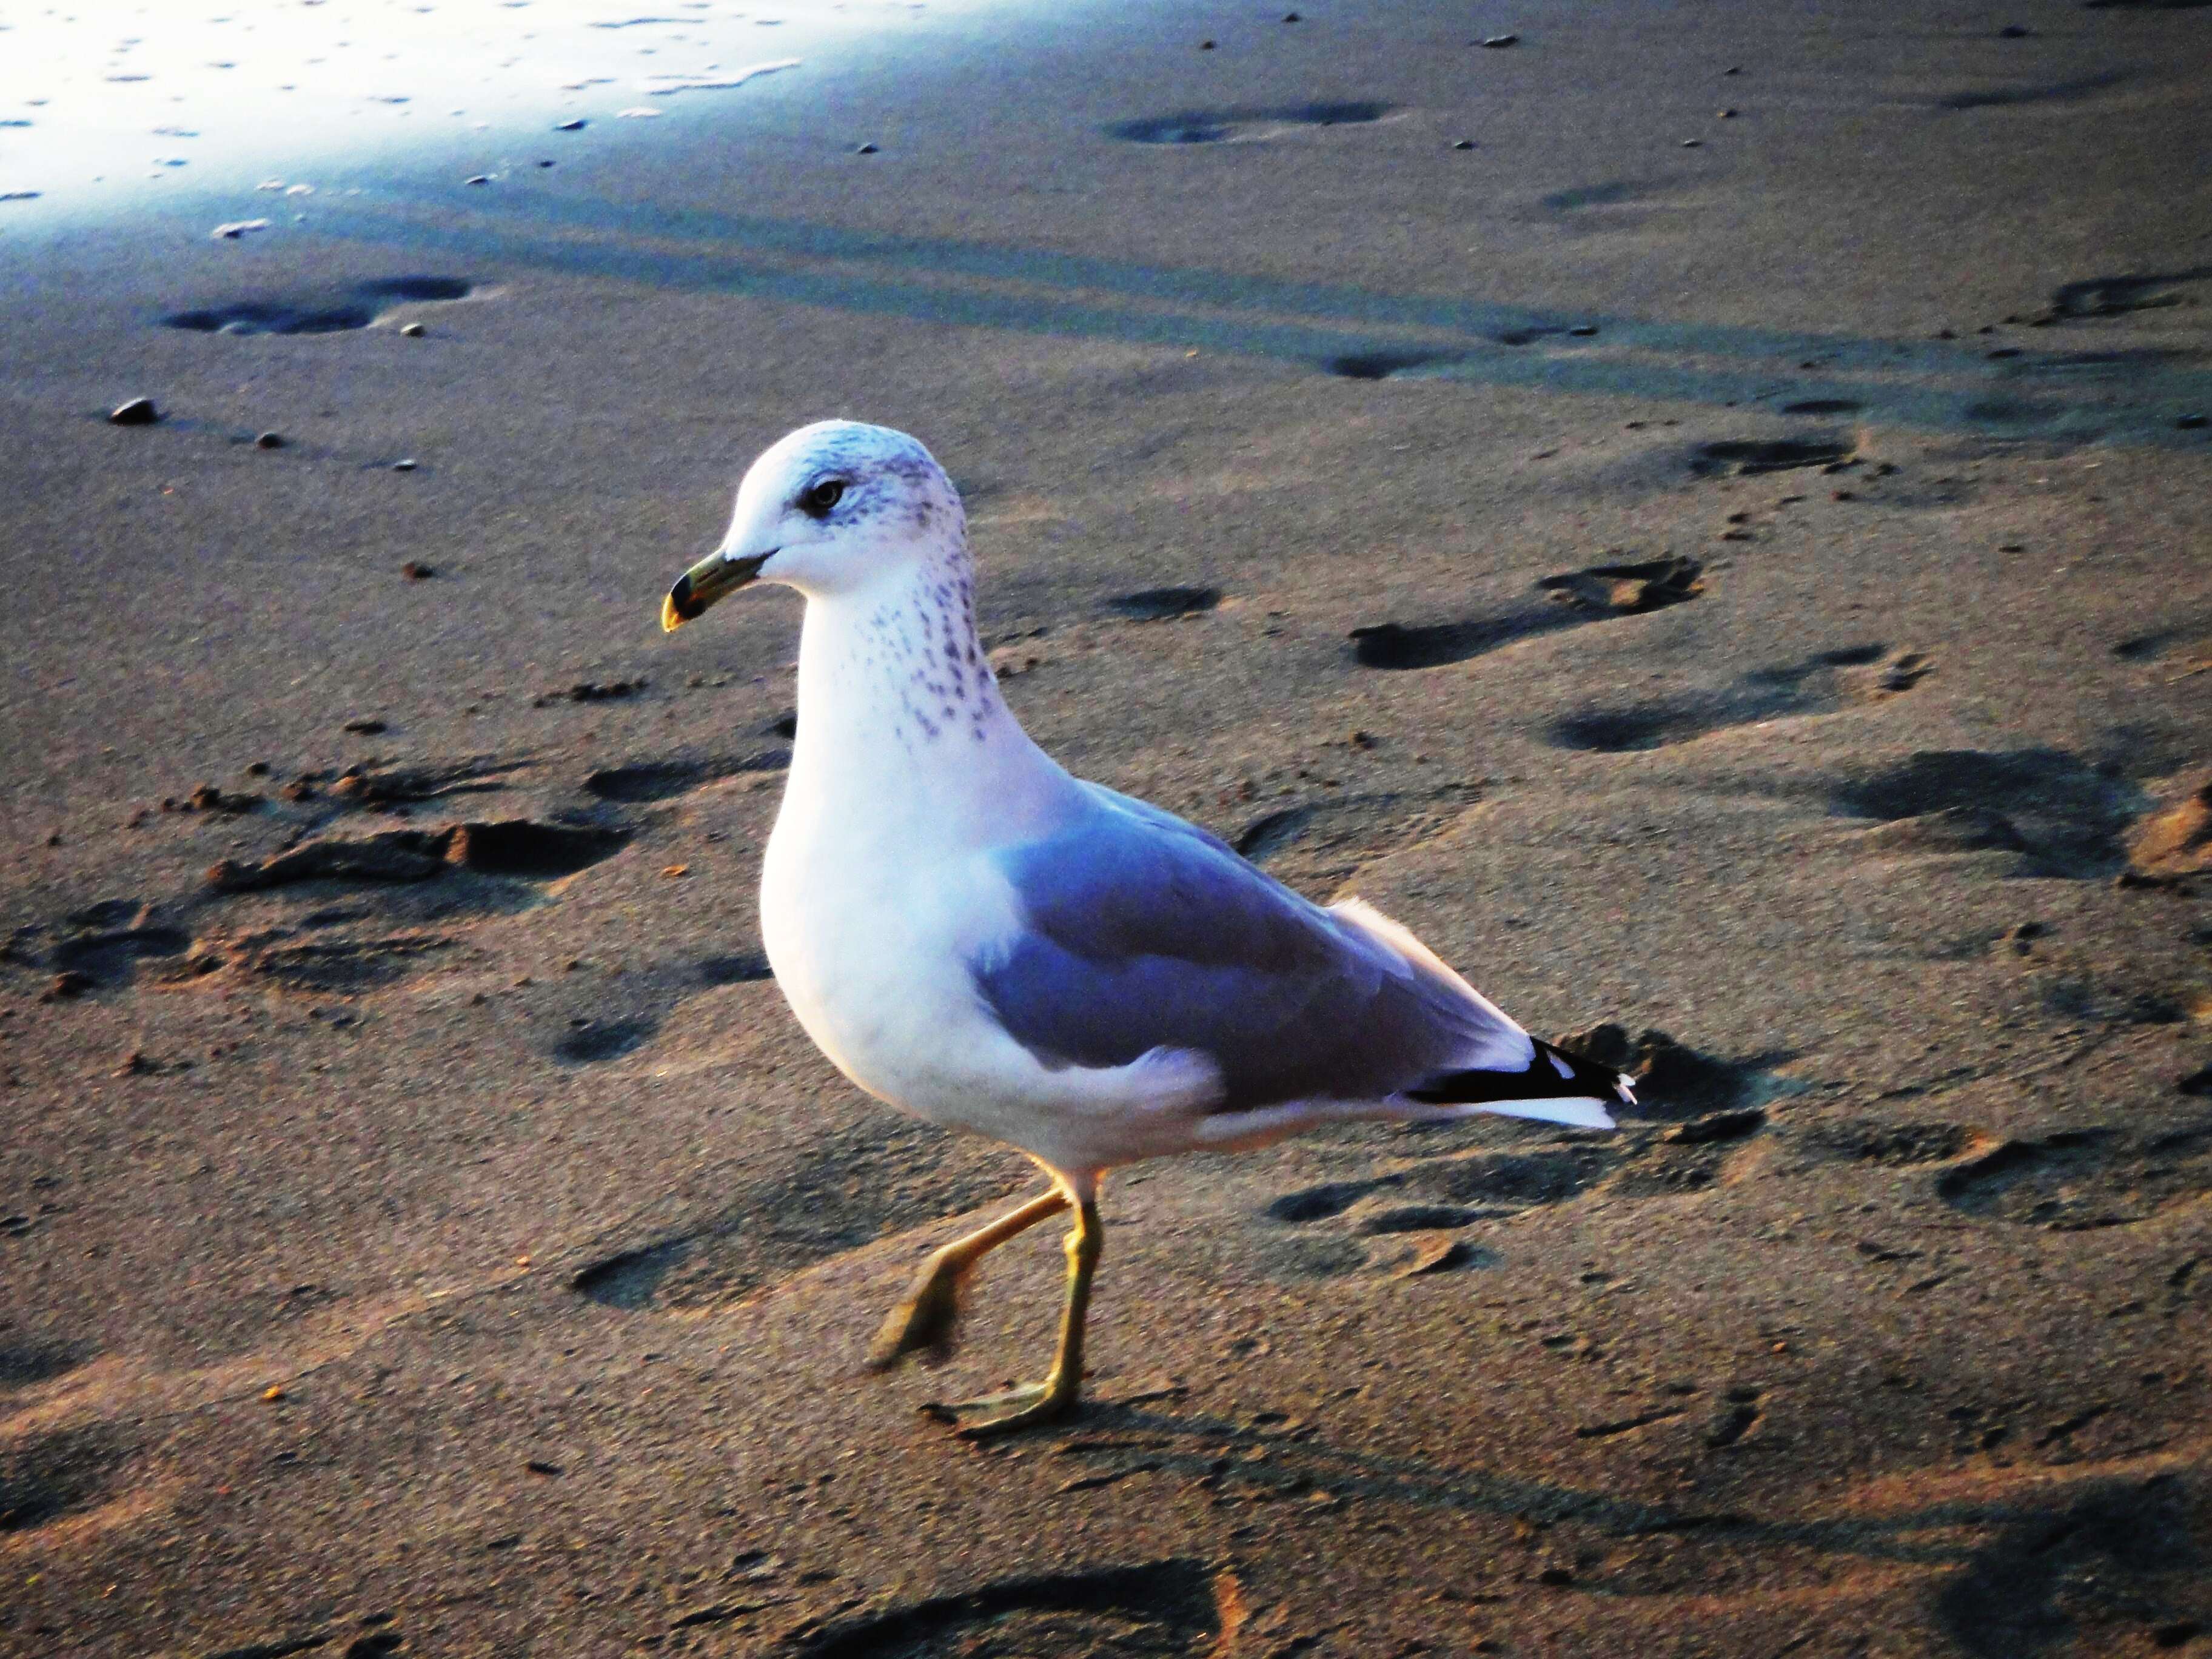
<point x="817" y="499"/>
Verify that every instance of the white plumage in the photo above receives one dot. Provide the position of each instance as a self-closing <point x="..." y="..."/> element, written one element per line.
<point x="973" y="935"/>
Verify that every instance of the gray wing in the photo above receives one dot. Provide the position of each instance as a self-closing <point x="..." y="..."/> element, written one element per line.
<point x="1141" y="932"/>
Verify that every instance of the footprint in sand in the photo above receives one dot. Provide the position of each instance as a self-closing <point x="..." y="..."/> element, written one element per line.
<point x="1888" y="1145"/>
<point x="346" y="967"/>
<point x="518" y="848"/>
<point x="1575" y="597"/>
<point x="105" y="942"/>
<point x="394" y="785"/>
<point x="2069" y="818"/>
<point x="1821" y="684"/>
<point x="1158" y="1607"/>
<point x="1403" y="365"/>
<point x="357" y="306"/>
<point x="28" y="1361"/>
<point x="2075" y="1180"/>
<point x="1244" y="125"/>
<point x="1420" y="363"/>
<point x="662" y="779"/>
<point x="407" y="877"/>
<point x="2110" y="296"/>
<point x="1165" y="604"/>
<point x="49" y="1477"/>
<point x="1747" y="457"/>
<point x="2068" y="91"/>
<point x="589" y="1040"/>
<point x="2182" y="652"/>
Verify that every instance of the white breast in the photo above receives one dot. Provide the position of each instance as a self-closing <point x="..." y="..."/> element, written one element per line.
<point x="870" y="946"/>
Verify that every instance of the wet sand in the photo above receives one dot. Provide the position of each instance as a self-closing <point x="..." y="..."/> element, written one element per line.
<point x="1736" y="585"/>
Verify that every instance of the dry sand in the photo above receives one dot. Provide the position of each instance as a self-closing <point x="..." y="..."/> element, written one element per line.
<point x="434" y="1241"/>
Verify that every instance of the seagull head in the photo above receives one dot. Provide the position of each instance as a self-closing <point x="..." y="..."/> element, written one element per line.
<point x="832" y="509"/>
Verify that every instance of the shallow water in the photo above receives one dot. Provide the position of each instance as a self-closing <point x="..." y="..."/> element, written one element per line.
<point x="105" y="108"/>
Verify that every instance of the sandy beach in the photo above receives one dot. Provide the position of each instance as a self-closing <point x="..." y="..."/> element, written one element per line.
<point x="1701" y="513"/>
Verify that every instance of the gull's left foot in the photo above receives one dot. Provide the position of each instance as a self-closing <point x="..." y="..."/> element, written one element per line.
<point x="924" y="1322"/>
<point x="931" y="1312"/>
<point x="1031" y="1405"/>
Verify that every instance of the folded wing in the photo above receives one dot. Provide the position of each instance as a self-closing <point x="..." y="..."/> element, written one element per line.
<point x="1140" y="932"/>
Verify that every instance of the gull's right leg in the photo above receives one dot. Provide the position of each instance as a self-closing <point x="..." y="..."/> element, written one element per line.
<point x="932" y="1308"/>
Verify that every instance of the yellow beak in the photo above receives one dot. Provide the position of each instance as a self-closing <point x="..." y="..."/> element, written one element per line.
<point x="710" y="580"/>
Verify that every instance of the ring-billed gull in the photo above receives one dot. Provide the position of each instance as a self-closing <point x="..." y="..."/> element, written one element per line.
<point x="974" y="935"/>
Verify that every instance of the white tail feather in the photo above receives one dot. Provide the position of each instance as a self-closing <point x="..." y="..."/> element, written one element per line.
<point x="1581" y="1112"/>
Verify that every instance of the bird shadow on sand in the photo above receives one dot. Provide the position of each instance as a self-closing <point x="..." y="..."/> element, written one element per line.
<point x="2005" y="1561"/>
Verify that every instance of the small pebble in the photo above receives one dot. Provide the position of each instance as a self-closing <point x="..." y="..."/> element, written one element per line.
<point x="417" y="573"/>
<point x="1497" y="42"/>
<point x="1733" y="69"/>
<point x="2191" y="422"/>
<point x="576" y="125"/>
<point x="1583" y="331"/>
<point x="1205" y="46"/>
<point x="413" y="331"/>
<point x="405" y="464"/>
<point x="1464" y="143"/>
<point x="139" y="411"/>
<point x="1841" y="496"/>
<point x="368" y="728"/>
<point x="1692" y="144"/>
<point x="478" y="178"/>
<point x="2013" y="32"/>
<point x="545" y="164"/>
<point x="1724" y="115"/>
<point x="864" y="149"/>
<point x="270" y="440"/>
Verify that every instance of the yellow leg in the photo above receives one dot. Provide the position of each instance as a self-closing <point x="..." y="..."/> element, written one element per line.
<point x="1055" y="1397"/>
<point x="932" y="1309"/>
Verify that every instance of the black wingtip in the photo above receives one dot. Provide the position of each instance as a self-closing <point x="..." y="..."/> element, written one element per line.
<point x="1544" y="1078"/>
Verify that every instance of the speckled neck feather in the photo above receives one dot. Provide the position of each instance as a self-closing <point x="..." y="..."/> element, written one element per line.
<point x="897" y="703"/>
